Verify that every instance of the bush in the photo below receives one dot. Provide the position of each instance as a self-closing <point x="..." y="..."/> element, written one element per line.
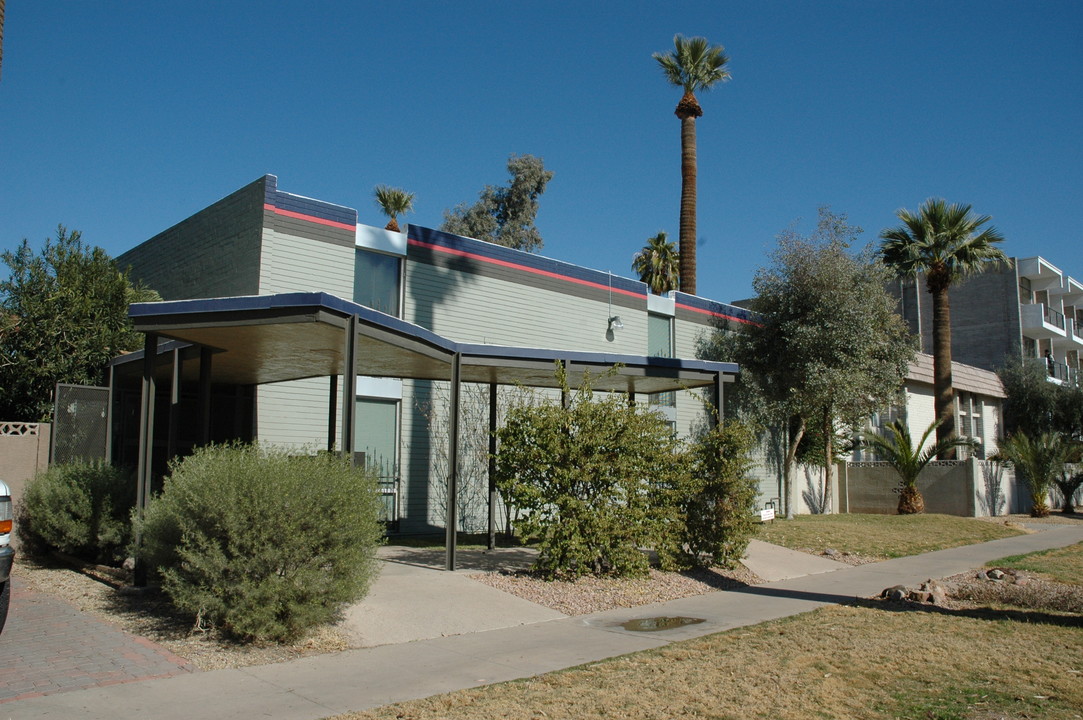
<point x="595" y="483"/>
<point x="260" y="544"/>
<point x="81" y="508"/>
<point x="718" y="507"/>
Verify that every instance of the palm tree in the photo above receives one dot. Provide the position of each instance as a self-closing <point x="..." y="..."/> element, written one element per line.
<point x="657" y="264"/>
<point x="693" y="64"/>
<point x="908" y="459"/>
<point x="943" y="242"/>
<point x="1041" y="460"/>
<point x="394" y="202"/>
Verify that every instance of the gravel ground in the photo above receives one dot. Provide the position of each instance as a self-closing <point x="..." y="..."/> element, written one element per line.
<point x="149" y="615"/>
<point x="591" y="594"/>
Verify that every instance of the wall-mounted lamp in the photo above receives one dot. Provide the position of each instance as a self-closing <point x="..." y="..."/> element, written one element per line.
<point x="614" y="320"/>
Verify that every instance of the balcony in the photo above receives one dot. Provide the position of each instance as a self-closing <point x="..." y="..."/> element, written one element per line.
<point x="1042" y="322"/>
<point x="1073" y="336"/>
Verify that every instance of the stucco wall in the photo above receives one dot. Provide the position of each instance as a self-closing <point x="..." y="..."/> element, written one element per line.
<point x="24" y="452"/>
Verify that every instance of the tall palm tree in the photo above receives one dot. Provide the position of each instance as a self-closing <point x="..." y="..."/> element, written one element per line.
<point x="1041" y="461"/>
<point x="393" y="202"/>
<point x="908" y="459"/>
<point x="658" y="264"/>
<point x="693" y="65"/>
<point x="943" y="242"/>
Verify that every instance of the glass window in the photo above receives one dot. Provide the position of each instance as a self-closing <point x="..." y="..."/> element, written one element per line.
<point x="376" y="281"/>
<point x="660" y="344"/>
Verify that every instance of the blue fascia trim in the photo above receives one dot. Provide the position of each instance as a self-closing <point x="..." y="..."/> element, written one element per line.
<point x="714" y="306"/>
<point x="526" y="259"/>
<point x="305" y="205"/>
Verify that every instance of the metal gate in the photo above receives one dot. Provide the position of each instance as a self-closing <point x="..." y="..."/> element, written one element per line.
<point x="80" y="424"/>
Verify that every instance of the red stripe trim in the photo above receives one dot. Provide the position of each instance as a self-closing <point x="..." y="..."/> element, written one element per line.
<point x="522" y="268"/>
<point x="714" y="314"/>
<point x="309" y="218"/>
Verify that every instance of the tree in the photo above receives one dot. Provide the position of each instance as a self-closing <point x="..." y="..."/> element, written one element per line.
<point x="827" y="347"/>
<point x="393" y="202"/>
<point x="1041" y="461"/>
<point x="658" y="264"/>
<point x="693" y="65"/>
<point x="909" y="459"/>
<point x="946" y="244"/>
<point x="505" y="215"/>
<point x="1035" y="405"/>
<point x="65" y="315"/>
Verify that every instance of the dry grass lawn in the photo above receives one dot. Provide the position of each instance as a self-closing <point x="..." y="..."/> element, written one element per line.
<point x="881" y="536"/>
<point x="871" y="661"/>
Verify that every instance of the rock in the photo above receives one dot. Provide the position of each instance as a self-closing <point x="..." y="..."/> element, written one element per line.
<point x="897" y="592"/>
<point x="981" y="575"/>
<point x="995" y="574"/>
<point x="919" y="596"/>
<point x="831" y="552"/>
<point x="129" y="564"/>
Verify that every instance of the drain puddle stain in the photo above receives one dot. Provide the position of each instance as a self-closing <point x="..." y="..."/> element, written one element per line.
<point x="655" y="624"/>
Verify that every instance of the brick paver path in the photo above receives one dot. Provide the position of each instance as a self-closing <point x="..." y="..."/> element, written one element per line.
<point x="49" y="646"/>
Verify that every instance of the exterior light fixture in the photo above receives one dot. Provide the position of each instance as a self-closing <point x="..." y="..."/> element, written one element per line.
<point x="615" y="323"/>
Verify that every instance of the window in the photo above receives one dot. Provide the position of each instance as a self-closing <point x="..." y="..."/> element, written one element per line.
<point x="377" y="281"/>
<point x="376" y="432"/>
<point x="660" y="344"/>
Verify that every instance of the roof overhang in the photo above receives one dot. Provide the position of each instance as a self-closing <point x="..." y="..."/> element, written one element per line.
<point x="273" y="338"/>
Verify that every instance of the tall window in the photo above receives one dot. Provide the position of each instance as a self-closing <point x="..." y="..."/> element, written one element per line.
<point x="660" y="344"/>
<point x="377" y="281"/>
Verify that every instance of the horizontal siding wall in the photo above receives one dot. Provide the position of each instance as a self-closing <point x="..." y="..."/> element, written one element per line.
<point x="299" y="264"/>
<point x="294" y="414"/>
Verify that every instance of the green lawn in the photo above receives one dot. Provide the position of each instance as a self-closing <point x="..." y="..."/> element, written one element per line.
<point x="886" y="536"/>
<point x="1063" y="564"/>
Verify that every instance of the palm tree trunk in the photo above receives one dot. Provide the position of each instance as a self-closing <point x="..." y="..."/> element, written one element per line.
<point x="687" y="239"/>
<point x="943" y="392"/>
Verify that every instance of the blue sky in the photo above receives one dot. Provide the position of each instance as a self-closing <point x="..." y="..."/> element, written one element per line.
<point x="122" y="118"/>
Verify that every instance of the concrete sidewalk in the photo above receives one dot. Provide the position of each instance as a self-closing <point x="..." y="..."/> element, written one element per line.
<point x="320" y="686"/>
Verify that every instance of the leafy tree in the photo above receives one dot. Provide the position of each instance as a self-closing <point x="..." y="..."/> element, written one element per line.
<point x="1041" y="461"/>
<point x="946" y="243"/>
<point x="658" y="264"/>
<point x="1035" y="405"/>
<point x="828" y="347"/>
<point x="908" y="459"/>
<point x="694" y="65"/>
<point x="63" y="316"/>
<point x="505" y="215"/>
<point x="393" y="202"/>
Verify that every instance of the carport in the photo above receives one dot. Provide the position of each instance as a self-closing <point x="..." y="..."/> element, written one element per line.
<point x="254" y="340"/>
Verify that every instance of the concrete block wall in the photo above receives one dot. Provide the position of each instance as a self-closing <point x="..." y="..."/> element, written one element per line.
<point x="214" y="253"/>
<point x="24" y="452"/>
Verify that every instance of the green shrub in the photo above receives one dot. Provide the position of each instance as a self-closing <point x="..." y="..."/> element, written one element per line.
<point x="81" y="508"/>
<point x="718" y="507"/>
<point x="595" y="482"/>
<point x="260" y="544"/>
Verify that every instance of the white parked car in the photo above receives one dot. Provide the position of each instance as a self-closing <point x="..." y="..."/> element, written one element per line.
<point x="7" y="555"/>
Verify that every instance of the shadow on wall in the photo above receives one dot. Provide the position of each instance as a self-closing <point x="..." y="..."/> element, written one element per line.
<point x="432" y="280"/>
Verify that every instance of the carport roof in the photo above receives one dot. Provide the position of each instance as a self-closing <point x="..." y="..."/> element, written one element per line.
<point x="272" y="338"/>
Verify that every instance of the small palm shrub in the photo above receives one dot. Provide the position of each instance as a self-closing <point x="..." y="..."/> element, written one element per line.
<point x="1040" y="460"/>
<point x="260" y="544"/>
<point x="80" y="508"/>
